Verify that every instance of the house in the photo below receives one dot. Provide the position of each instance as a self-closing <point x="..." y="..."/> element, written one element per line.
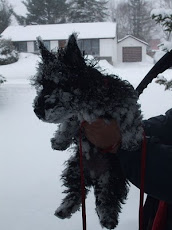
<point x="153" y="47"/>
<point x="154" y="44"/>
<point x="98" y="39"/>
<point x="131" y="49"/>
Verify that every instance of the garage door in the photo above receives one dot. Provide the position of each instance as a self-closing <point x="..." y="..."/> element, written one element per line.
<point x="132" y="54"/>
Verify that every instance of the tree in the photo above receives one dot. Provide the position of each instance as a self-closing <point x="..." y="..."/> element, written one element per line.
<point x="8" y="54"/>
<point x="164" y="18"/>
<point x="5" y="15"/>
<point x="168" y="3"/>
<point x="165" y="3"/>
<point x="163" y="81"/>
<point x="2" y="79"/>
<point x="133" y="17"/>
<point x="140" y="19"/>
<point x="44" y="12"/>
<point x="87" y="11"/>
<point x="122" y="18"/>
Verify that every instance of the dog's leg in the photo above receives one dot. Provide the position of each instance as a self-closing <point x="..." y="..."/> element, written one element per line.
<point x="110" y="192"/>
<point x="71" y="180"/>
<point x="63" y="136"/>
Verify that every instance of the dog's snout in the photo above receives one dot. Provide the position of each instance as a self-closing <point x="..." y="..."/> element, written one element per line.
<point x="39" y="113"/>
<point x="39" y="108"/>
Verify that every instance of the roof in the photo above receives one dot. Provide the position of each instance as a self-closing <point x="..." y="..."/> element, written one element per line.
<point x="131" y="36"/>
<point x="61" y="31"/>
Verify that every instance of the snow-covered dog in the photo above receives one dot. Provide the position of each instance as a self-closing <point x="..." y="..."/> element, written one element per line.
<point x="69" y="91"/>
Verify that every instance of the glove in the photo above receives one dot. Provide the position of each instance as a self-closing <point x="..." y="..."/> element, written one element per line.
<point x="103" y="135"/>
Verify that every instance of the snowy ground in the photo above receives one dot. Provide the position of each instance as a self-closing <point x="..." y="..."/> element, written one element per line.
<point x="30" y="169"/>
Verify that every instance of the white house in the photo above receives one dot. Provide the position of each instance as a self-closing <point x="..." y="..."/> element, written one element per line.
<point x="131" y="49"/>
<point x="98" y="39"/>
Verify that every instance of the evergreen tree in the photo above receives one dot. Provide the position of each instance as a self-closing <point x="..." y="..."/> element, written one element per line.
<point x="2" y="79"/>
<point x="5" y="15"/>
<point x="87" y="11"/>
<point x="44" y="12"/>
<point x="164" y="18"/>
<point x="163" y="81"/>
<point x="8" y="54"/>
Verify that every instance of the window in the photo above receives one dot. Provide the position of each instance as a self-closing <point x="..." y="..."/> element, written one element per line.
<point x="46" y="44"/>
<point x="36" y="47"/>
<point x="89" y="46"/>
<point x="21" y="46"/>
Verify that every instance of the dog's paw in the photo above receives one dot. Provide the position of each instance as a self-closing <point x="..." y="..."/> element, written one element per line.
<point x="62" y="214"/>
<point x="109" y="224"/>
<point x="107" y="220"/>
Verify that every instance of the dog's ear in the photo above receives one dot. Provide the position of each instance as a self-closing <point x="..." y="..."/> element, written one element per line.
<point x="45" y="53"/>
<point x="73" y="56"/>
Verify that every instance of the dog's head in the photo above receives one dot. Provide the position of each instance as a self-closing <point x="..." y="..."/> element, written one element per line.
<point x="57" y="81"/>
<point x="63" y="81"/>
<point x="67" y="86"/>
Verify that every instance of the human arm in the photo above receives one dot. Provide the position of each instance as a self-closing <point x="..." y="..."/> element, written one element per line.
<point x="158" y="177"/>
<point x="160" y="127"/>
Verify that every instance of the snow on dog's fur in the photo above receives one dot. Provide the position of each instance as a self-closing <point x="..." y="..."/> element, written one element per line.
<point x="71" y="90"/>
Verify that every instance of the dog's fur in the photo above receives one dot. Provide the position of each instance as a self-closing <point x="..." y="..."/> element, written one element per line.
<point x="69" y="91"/>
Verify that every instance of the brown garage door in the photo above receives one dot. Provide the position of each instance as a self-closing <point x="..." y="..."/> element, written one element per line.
<point x="132" y="54"/>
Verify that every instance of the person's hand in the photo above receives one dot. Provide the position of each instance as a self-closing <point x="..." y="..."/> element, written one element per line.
<point x="102" y="135"/>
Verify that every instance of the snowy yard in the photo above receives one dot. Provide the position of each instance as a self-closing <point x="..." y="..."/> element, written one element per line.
<point x="30" y="170"/>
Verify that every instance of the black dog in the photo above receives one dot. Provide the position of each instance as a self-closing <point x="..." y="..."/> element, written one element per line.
<point x="71" y="90"/>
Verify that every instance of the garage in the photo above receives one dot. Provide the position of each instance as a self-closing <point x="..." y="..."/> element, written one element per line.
<point x="131" y="49"/>
<point x="132" y="54"/>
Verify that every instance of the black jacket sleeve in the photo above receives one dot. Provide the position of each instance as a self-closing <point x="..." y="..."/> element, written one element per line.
<point x="160" y="126"/>
<point x="158" y="176"/>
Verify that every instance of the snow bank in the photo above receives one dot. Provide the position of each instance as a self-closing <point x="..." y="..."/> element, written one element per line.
<point x="22" y="70"/>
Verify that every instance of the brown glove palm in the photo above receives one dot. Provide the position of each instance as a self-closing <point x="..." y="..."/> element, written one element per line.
<point x="103" y="135"/>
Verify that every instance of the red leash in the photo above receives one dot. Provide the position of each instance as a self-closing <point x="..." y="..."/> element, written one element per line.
<point x="82" y="180"/>
<point x="143" y="167"/>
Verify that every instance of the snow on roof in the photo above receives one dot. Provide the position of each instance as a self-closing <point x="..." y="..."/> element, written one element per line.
<point x="61" y="31"/>
<point x="133" y="38"/>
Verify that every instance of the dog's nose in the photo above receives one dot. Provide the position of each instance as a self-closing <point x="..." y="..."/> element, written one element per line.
<point x="39" y="113"/>
<point x="39" y="108"/>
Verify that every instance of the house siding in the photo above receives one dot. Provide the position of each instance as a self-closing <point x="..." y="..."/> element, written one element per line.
<point x="108" y="48"/>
